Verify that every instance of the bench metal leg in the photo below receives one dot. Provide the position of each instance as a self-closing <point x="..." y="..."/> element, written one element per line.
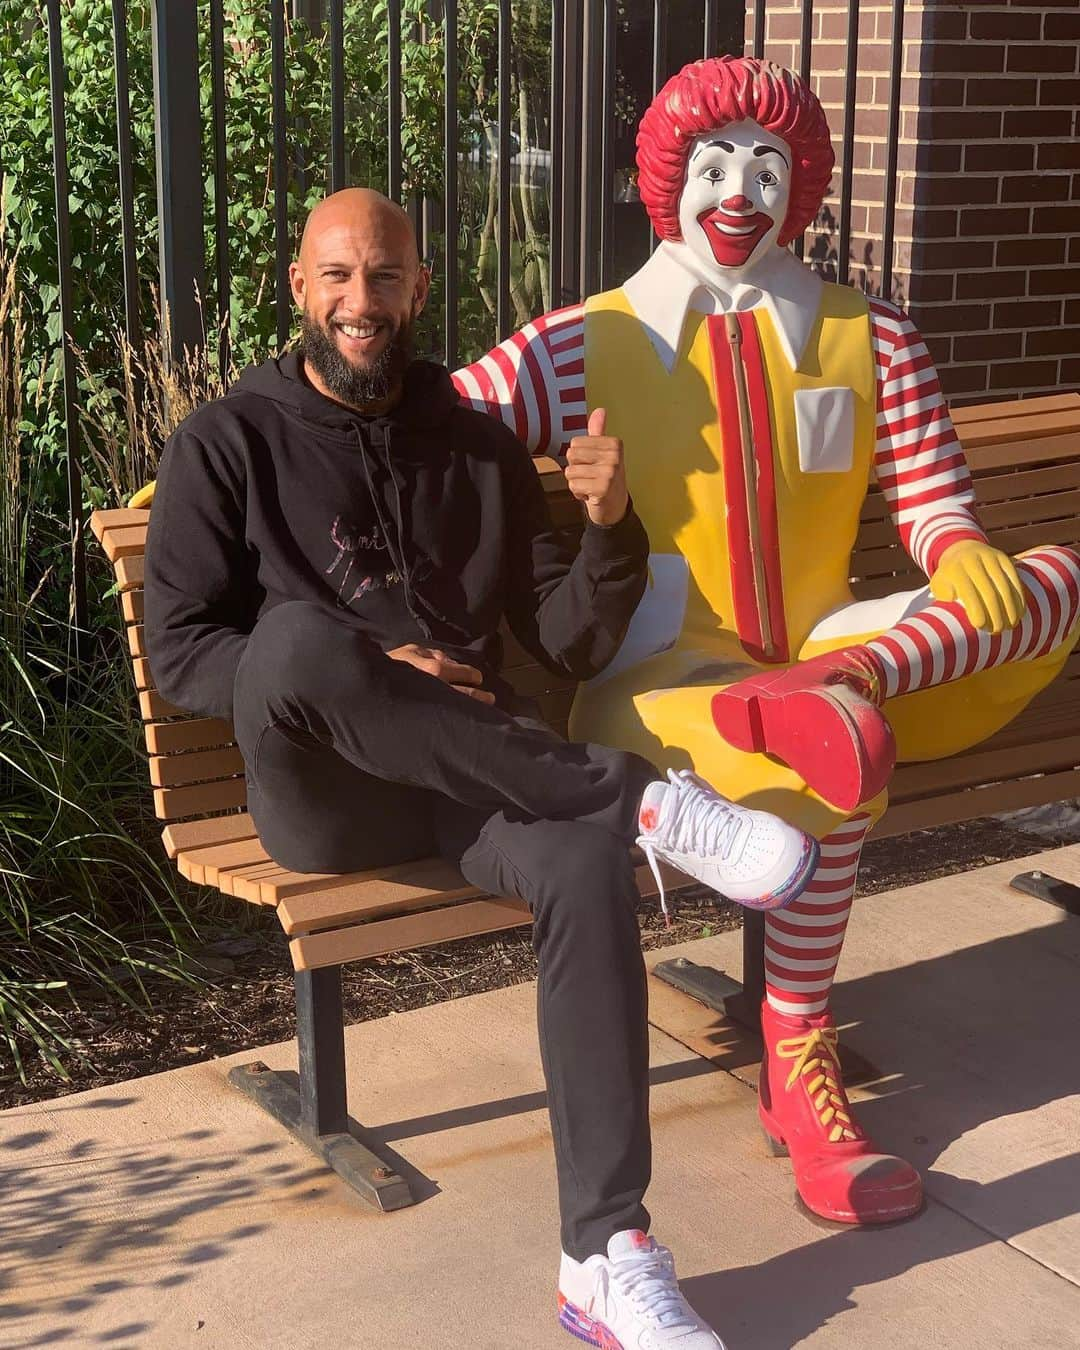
<point x="316" y="1112"/>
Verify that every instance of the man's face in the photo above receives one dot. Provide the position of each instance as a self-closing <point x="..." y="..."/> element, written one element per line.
<point x="738" y="181"/>
<point x="360" y="289"/>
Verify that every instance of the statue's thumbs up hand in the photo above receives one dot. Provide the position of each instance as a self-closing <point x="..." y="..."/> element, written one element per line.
<point x="596" y="474"/>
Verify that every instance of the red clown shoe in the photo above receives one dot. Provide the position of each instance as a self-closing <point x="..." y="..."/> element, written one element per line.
<point x="822" y="718"/>
<point x="805" y="1113"/>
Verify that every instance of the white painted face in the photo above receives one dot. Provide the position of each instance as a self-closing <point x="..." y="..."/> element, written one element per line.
<point x="738" y="181"/>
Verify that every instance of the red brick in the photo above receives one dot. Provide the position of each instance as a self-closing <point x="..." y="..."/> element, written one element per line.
<point x="1041" y="57"/>
<point x="1074" y="250"/>
<point x="1059" y="93"/>
<point x="1056" y="220"/>
<point x="943" y="25"/>
<point x="1060" y="155"/>
<point x="947" y="125"/>
<point x="1055" y="281"/>
<point x="940" y="348"/>
<point x="955" y="190"/>
<point x="931" y="157"/>
<point x="1001" y="93"/>
<point x="927" y="287"/>
<point x="1043" y="187"/>
<point x="1053" y="342"/>
<point x="987" y="346"/>
<point x="966" y="58"/>
<point x="990" y="285"/>
<point x="920" y="91"/>
<point x="1025" y="374"/>
<point x="954" y="318"/>
<point x="952" y="254"/>
<point x="1072" y="312"/>
<point x="1029" y="252"/>
<point x="1039" y="123"/>
<point x="1069" y="377"/>
<point x="1021" y="26"/>
<point x="999" y="157"/>
<point x="1061" y="28"/>
<point x="1027" y="314"/>
<point x="784" y="26"/>
<point x="995" y="221"/>
<point x="956" y="380"/>
<point x="930" y="224"/>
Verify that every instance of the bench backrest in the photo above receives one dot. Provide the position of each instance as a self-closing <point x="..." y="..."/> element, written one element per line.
<point x="1025" y="461"/>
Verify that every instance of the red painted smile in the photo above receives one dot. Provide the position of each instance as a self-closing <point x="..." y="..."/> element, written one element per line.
<point x="733" y="238"/>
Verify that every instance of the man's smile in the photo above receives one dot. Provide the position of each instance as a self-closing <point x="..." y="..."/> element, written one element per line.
<point x="733" y="238"/>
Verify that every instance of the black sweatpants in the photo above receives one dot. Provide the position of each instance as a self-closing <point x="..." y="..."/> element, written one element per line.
<point x="355" y="760"/>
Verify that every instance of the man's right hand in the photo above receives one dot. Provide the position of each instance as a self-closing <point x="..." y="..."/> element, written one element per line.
<point x="431" y="661"/>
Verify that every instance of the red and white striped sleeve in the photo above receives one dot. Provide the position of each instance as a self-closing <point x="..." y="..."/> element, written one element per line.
<point x="918" y="460"/>
<point x="534" y="381"/>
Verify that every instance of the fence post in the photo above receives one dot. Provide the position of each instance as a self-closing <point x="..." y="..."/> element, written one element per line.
<point x="178" y="123"/>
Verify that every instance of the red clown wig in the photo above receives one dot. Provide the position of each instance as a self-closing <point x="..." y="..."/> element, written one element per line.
<point x="708" y="95"/>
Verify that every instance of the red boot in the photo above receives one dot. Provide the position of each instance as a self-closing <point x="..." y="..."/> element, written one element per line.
<point x="821" y="717"/>
<point x="805" y="1113"/>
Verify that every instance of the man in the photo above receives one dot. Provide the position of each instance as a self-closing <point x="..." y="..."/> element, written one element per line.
<point x="755" y="401"/>
<point x="331" y="549"/>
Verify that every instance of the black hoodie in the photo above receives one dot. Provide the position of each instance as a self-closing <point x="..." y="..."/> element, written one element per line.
<point x="424" y="525"/>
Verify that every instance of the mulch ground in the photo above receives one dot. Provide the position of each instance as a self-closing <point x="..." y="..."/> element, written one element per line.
<point x="242" y="995"/>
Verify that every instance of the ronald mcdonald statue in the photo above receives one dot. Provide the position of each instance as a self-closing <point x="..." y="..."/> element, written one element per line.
<point x="755" y="401"/>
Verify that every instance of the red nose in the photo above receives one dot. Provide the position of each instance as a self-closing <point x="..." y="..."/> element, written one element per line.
<point x="739" y="203"/>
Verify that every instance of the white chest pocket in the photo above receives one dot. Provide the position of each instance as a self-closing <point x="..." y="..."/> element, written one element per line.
<point x="825" y="420"/>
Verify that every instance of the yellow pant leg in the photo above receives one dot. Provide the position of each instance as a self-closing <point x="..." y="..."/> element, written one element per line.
<point x="661" y="709"/>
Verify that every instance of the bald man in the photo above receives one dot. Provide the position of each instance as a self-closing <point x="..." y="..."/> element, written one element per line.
<point x="331" y="550"/>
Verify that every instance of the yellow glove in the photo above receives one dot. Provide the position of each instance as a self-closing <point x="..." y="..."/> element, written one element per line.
<point x="144" y="496"/>
<point x="984" y="581"/>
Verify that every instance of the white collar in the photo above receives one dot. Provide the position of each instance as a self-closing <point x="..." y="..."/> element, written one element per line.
<point x="671" y="284"/>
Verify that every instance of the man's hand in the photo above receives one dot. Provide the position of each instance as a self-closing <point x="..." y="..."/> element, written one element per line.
<point x="595" y="472"/>
<point x="984" y="581"/>
<point x="434" y="662"/>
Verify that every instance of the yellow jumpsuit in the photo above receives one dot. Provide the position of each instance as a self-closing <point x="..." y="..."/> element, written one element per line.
<point x="693" y="504"/>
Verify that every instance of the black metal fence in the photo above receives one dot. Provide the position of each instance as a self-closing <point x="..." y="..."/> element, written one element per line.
<point x="604" y="56"/>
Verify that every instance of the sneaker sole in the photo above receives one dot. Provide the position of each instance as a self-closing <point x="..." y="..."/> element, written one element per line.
<point x="586" y="1328"/>
<point x="795" y="884"/>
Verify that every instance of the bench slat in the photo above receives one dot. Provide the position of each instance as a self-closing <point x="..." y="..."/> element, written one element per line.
<point x="873" y="562"/>
<point x="153" y="707"/>
<point x="1042" y="449"/>
<point x="1020" y="407"/>
<point x="202" y="800"/>
<point x="124" y="542"/>
<point x="1010" y="483"/>
<point x="1004" y="430"/>
<point x="137" y="638"/>
<point x="410" y="930"/>
<point x="972" y="803"/>
<point x="129" y="572"/>
<point x="186" y="834"/>
<point x="984" y="766"/>
<point x="198" y="733"/>
<point x="198" y="767"/>
<point x="143" y="678"/>
<point x="384" y="890"/>
<point x="213" y="860"/>
<point x="131" y="603"/>
<point x="117" y="518"/>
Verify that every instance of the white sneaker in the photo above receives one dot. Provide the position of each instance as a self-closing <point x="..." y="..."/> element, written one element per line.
<point x="751" y="857"/>
<point x="630" y="1299"/>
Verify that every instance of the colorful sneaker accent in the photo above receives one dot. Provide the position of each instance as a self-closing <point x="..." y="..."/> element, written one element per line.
<point x="822" y="718"/>
<point x="839" y="1172"/>
<point x="750" y="857"/>
<point x="630" y="1299"/>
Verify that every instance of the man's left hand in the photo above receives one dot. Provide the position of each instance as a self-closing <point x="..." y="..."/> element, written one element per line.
<point x="596" y="474"/>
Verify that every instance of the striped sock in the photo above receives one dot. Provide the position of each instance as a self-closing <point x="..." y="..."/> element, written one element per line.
<point x="940" y="643"/>
<point x="803" y="940"/>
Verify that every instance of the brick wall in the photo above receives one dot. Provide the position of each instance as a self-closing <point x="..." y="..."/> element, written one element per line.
<point x="987" y="226"/>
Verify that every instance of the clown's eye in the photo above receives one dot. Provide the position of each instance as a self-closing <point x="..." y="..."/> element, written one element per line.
<point x="714" y="175"/>
<point x="767" y="178"/>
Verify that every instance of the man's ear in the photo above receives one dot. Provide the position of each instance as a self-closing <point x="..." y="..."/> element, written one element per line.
<point x="297" y="283"/>
<point x="420" y="290"/>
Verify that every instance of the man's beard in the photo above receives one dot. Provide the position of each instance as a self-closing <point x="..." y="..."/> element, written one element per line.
<point x="357" y="386"/>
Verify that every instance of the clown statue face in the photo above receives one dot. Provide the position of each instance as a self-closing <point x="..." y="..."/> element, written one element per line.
<point x="735" y="200"/>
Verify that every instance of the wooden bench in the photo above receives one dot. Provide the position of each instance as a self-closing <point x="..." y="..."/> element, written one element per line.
<point x="1025" y="459"/>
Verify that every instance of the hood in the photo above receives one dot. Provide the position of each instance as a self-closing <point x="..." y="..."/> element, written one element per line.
<point x="427" y="399"/>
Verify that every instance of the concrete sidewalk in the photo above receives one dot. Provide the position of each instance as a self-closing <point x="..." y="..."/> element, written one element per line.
<point x="168" y="1212"/>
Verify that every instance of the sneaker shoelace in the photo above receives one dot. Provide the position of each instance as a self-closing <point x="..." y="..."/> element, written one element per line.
<point x="815" y="1061"/>
<point x="647" y="1280"/>
<point x="701" y="824"/>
